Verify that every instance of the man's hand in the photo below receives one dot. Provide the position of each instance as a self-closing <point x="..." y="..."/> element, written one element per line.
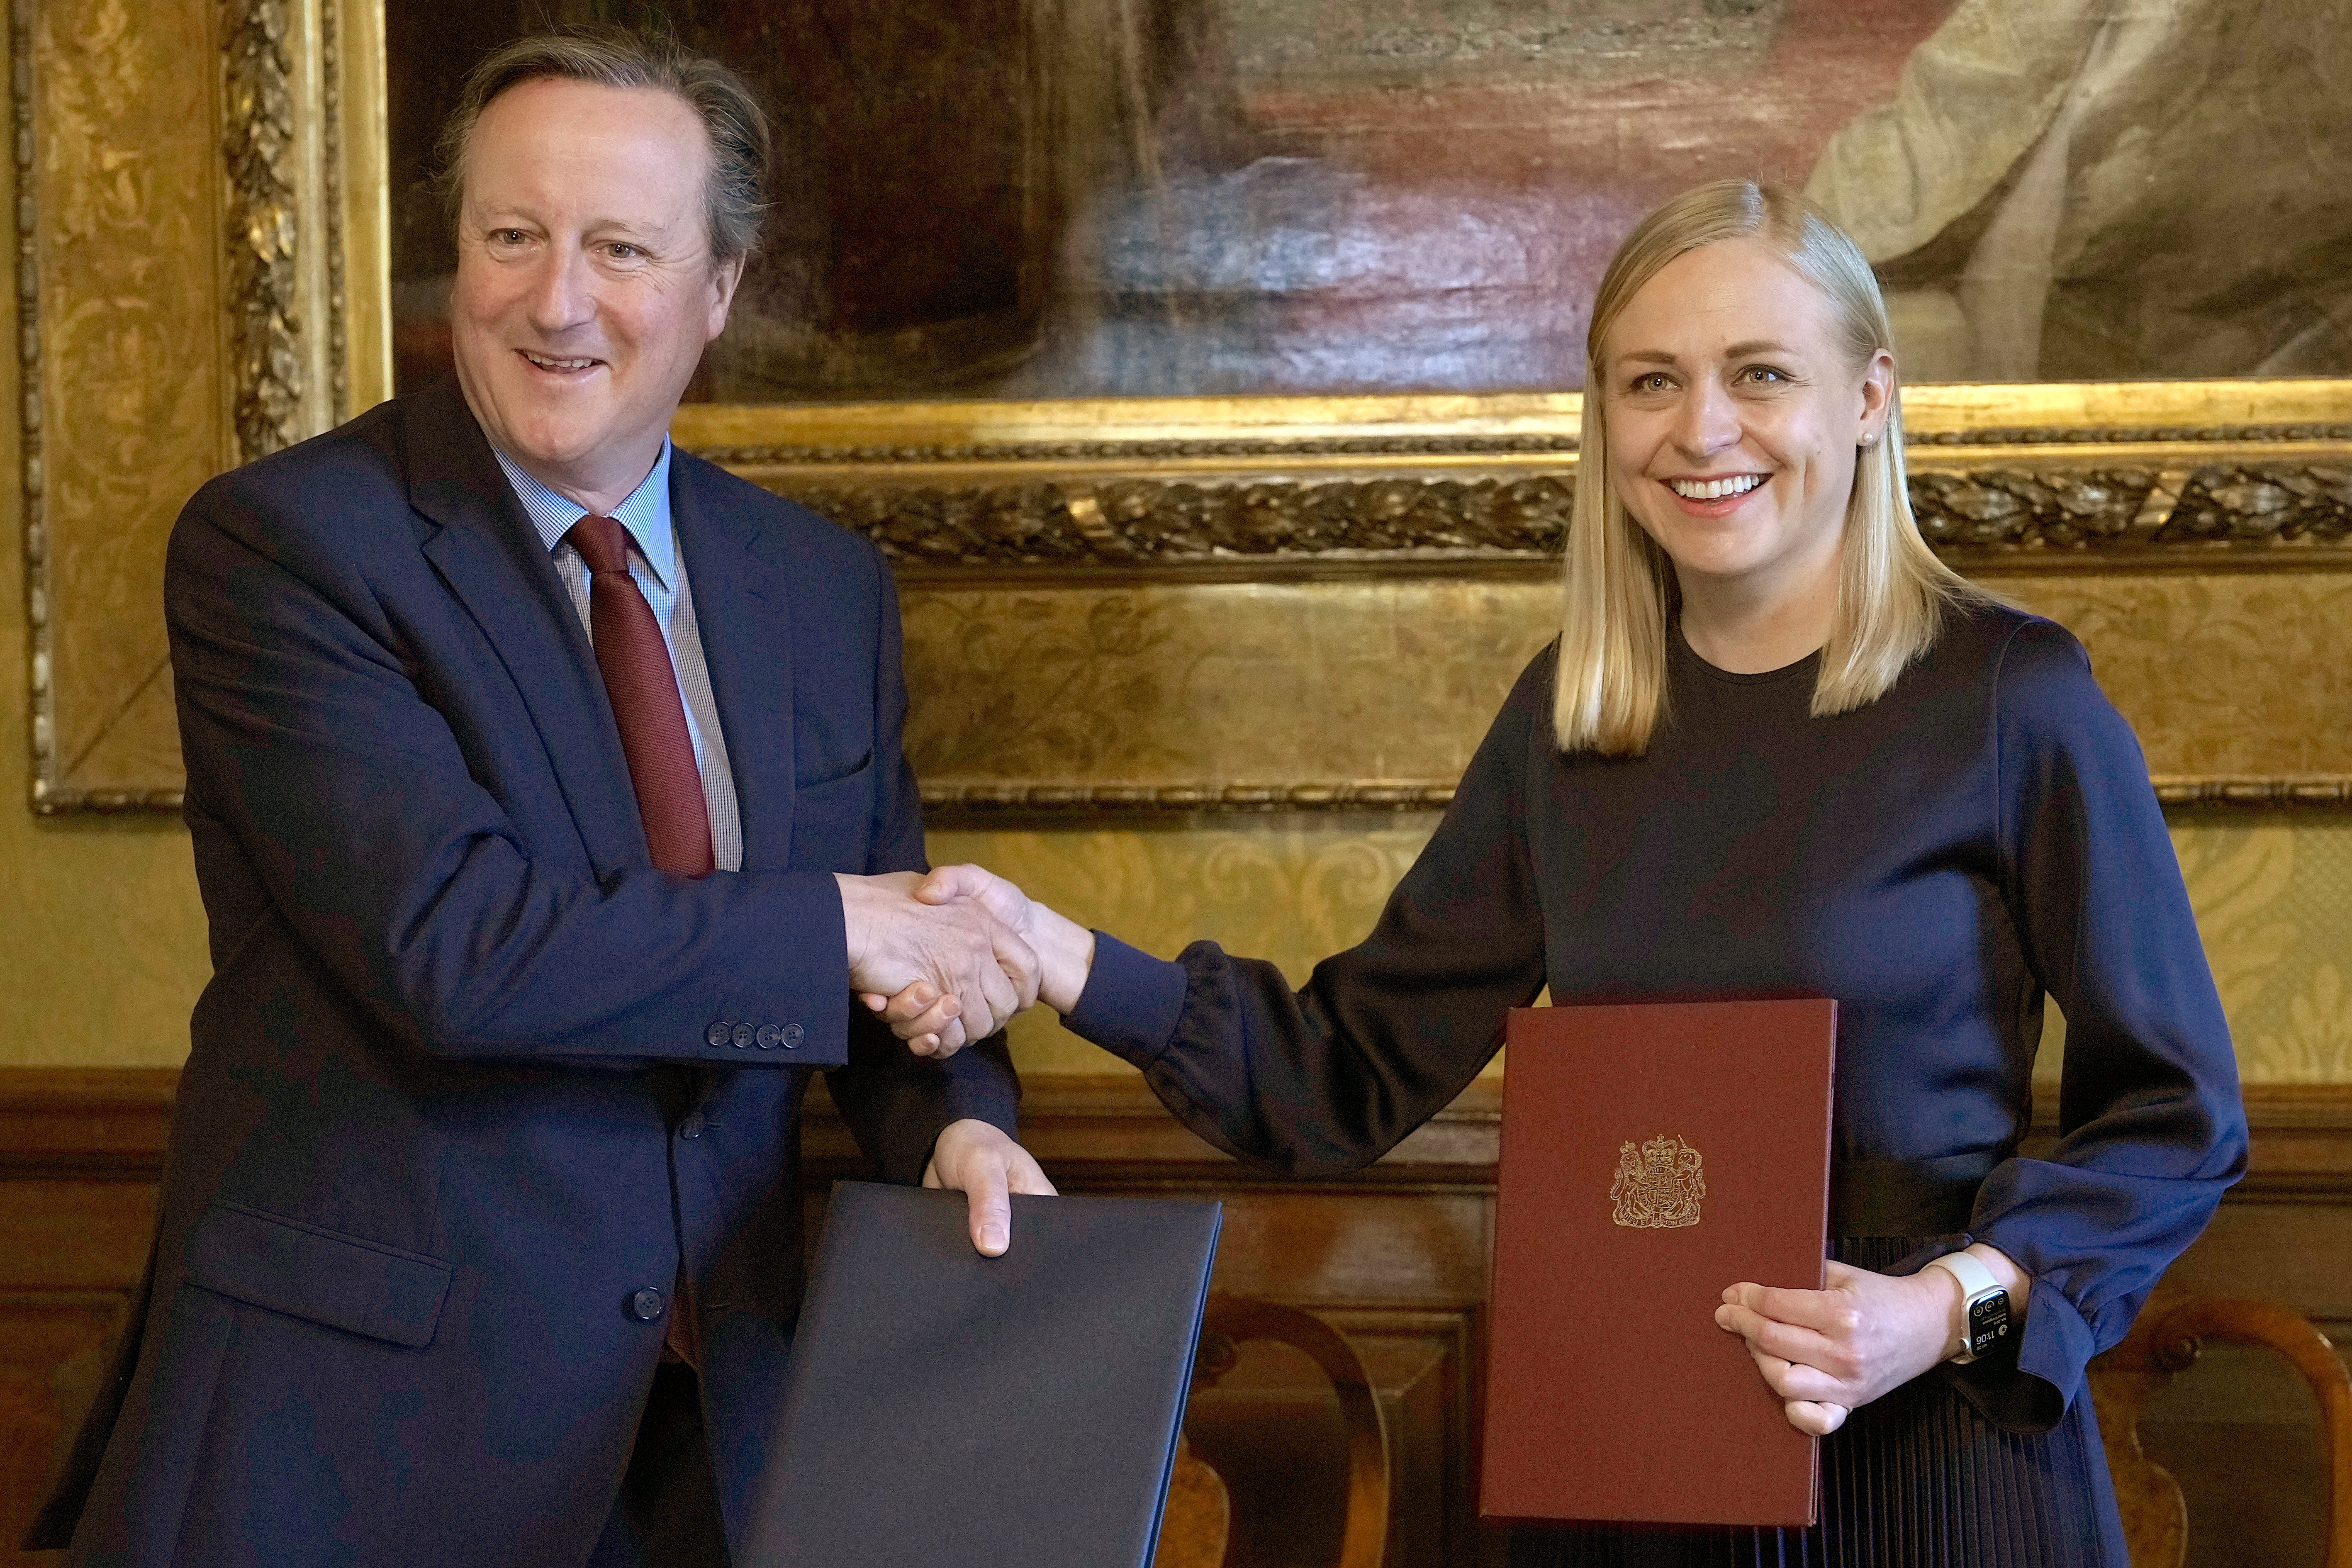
<point x="1826" y="1351"/>
<point x="960" y="950"/>
<point x="977" y="1159"/>
<point x="921" y="1013"/>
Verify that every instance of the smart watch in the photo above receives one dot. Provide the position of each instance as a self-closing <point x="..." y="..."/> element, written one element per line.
<point x="1984" y="1304"/>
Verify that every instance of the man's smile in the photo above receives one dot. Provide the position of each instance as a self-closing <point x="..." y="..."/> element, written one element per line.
<point x="554" y="363"/>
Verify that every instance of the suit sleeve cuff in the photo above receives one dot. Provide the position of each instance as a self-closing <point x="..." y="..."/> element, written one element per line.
<point x="985" y="1088"/>
<point x="1131" y="1004"/>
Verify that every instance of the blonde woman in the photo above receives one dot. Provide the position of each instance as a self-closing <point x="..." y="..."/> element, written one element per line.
<point x="1779" y="747"/>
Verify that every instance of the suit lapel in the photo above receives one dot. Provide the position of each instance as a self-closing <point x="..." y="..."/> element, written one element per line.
<point x="489" y="557"/>
<point x="743" y="602"/>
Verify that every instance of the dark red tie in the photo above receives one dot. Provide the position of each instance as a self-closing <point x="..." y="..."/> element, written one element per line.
<point x="642" y="687"/>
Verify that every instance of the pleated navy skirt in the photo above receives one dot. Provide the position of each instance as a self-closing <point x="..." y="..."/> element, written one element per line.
<point x="1916" y="1480"/>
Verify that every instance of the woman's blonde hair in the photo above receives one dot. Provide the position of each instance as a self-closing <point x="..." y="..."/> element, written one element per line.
<point x="1611" y="688"/>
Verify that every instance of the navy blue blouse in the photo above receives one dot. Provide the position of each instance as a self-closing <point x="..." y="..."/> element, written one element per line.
<point x="1938" y="861"/>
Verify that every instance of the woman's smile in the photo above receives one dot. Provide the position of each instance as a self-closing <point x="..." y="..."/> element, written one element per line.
<point x="1715" y="497"/>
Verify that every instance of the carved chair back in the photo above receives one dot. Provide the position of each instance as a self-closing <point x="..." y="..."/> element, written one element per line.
<point x="2163" y="1345"/>
<point x="1197" y="1527"/>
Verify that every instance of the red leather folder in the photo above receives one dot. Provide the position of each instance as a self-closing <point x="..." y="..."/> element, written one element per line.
<point x="1651" y="1155"/>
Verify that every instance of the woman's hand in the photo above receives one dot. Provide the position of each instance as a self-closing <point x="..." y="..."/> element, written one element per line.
<point x="1826" y="1351"/>
<point x="921" y="1014"/>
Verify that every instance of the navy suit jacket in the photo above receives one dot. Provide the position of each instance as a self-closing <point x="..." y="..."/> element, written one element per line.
<point x="470" y="1076"/>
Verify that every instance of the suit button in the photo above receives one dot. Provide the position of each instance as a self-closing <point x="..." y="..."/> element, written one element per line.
<point x="692" y="1126"/>
<point x="645" y="1305"/>
<point x="742" y="1035"/>
<point x="768" y="1037"/>
<point x="792" y="1034"/>
<point x="718" y="1034"/>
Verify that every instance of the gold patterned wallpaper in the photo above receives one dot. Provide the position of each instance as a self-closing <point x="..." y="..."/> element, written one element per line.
<point x="1362" y="680"/>
<point x="1395" y="679"/>
<point x="2274" y="904"/>
<point x="1386" y="681"/>
<point x="104" y="952"/>
<point x="130" y="353"/>
<point x="2273" y="895"/>
<point x="1237" y="683"/>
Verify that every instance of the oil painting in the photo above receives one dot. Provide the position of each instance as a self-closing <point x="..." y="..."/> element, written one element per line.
<point x="1081" y="198"/>
<point x="1082" y="300"/>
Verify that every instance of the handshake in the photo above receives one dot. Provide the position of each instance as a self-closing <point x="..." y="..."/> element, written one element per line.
<point x="948" y="958"/>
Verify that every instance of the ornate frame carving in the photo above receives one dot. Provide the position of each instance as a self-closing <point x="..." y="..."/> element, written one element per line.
<point x="281" y="242"/>
<point x="2223" y="474"/>
<point x="2111" y="484"/>
<point x="2105" y="480"/>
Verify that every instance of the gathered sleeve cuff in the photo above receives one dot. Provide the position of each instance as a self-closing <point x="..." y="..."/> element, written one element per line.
<point x="2032" y="1394"/>
<point x="2025" y="1383"/>
<point x="1131" y="1002"/>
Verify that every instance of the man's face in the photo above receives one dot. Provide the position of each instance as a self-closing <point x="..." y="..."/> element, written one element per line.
<point x="585" y="286"/>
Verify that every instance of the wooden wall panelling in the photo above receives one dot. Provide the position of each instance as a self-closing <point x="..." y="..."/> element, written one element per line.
<point x="53" y="1355"/>
<point x="2239" y="1429"/>
<point x="1399" y="1268"/>
<point x="1394" y="1257"/>
<point x="80" y="1150"/>
<point x="1431" y="1381"/>
<point x="2285" y="1232"/>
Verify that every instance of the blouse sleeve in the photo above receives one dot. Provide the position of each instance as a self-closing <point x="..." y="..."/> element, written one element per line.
<point x="1326" y="1080"/>
<point x="2151" y="1127"/>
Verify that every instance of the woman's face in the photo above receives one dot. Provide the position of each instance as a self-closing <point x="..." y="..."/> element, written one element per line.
<point x="1733" y="418"/>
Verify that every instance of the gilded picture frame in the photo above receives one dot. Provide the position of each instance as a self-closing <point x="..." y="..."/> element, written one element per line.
<point x="1131" y="604"/>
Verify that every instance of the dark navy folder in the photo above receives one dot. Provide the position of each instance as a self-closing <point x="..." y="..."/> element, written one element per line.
<point x="946" y="1410"/>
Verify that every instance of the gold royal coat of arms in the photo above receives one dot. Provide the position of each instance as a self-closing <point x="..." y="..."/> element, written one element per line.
<point x="1658" y="1184"/>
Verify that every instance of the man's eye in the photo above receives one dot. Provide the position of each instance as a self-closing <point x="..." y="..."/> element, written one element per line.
<point x="625" y="252"/>
<point x="506" y="235"/>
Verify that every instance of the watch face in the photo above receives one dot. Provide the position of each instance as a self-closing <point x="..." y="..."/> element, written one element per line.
<point x="1988" y="1319"/>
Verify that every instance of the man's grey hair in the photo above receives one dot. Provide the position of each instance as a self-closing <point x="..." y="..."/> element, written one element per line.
<point x="733" y="119"/>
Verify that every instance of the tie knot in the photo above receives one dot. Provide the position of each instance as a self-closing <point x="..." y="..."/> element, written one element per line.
<point x="601" y="543"/>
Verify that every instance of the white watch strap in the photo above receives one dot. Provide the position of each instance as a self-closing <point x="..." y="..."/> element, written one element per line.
<point x="1974" y="1277"/>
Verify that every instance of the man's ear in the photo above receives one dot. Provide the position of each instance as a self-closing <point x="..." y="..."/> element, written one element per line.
<point x="725" y="278"/>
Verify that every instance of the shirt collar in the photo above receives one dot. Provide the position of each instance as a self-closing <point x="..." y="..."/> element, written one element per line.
<point x="645" y="513"/>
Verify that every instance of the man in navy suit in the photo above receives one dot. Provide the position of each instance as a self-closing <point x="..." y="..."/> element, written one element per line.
<point x="480" y="1239"/>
